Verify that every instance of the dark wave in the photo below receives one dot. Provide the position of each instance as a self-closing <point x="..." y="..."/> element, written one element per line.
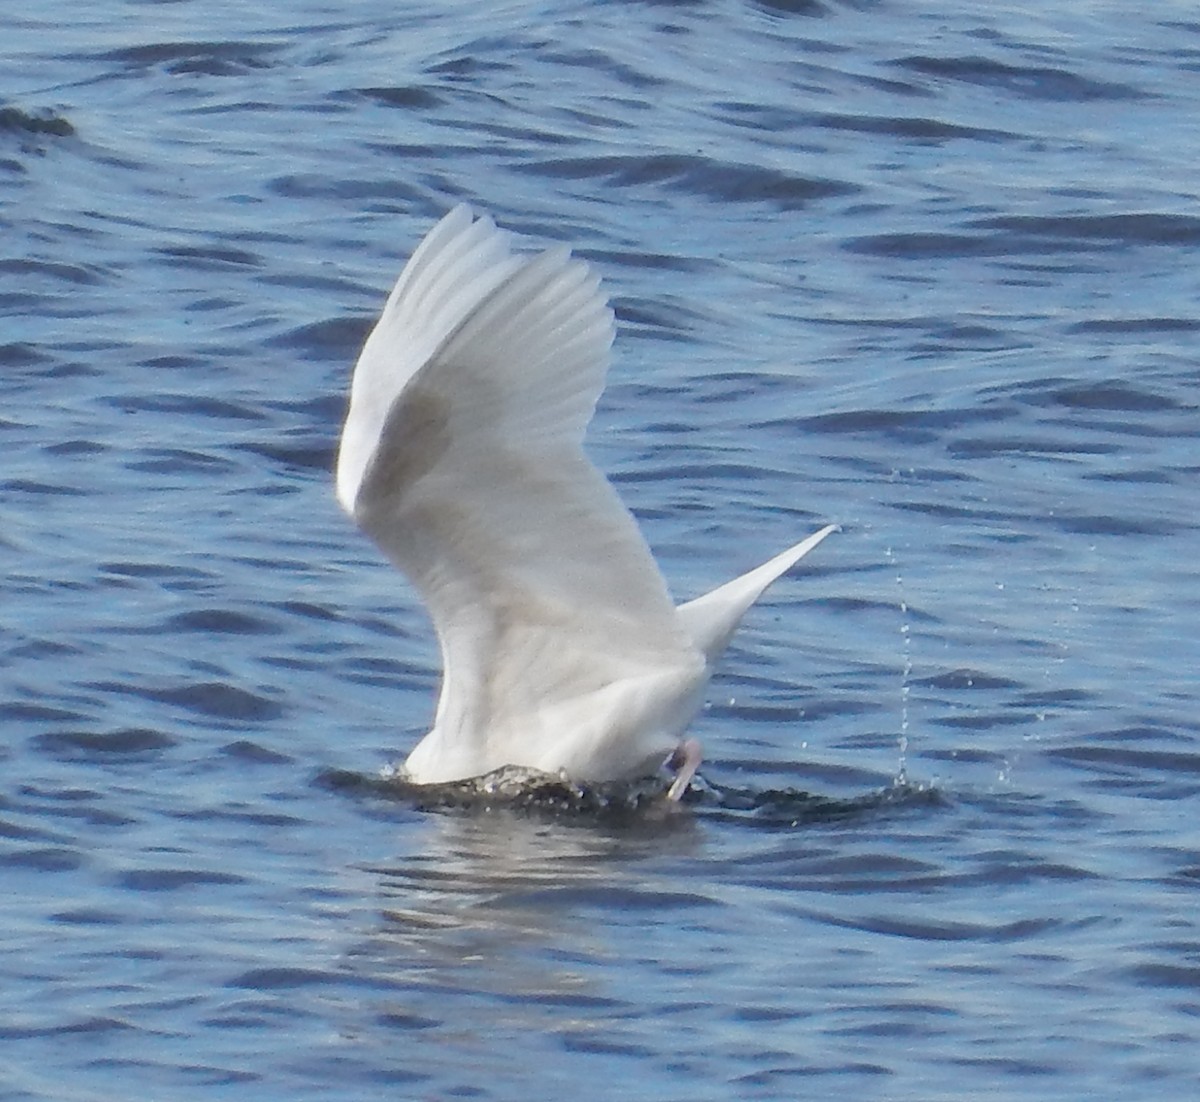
<point x="215" y="58"/>
<point x="1033" y="82"/>
<point x="713" y="179"/>
<point x="14" y="120"/>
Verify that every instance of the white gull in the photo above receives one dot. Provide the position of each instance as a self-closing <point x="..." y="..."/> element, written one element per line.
<point x="462" y="458"/>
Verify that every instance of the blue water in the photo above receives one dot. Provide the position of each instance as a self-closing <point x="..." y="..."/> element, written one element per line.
<point x="929" y="272"/>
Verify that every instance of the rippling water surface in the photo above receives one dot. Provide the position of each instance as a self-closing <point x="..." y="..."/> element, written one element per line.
<point x="929" y="272"/>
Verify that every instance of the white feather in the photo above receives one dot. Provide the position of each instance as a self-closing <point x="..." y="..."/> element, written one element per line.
<point x="462" y="458"/>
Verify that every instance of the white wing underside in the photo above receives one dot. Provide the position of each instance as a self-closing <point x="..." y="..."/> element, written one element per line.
<point x="462" y="458"/>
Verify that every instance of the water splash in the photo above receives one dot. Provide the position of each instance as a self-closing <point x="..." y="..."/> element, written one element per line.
<point x="906" y="671"/>
<point x="510" y="788"/>
<point x="548" y="796"/>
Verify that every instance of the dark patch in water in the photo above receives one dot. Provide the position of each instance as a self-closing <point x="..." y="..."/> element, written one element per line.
<point x="544" y="795"/>
<point x="791" y="807"/>
<point x="409" y="96"/>
<point x="95" y="745"/>
<point x="810" y="8"/>
<point x="14" y="120"/>
<point x="508" y="789"/>
<point x="727" y="182"/>
<point x="195" y="58"/>
<point x="1027" y="81"/>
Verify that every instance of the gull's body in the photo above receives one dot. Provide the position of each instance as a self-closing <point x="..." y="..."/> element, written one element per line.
<point x="461" y="457"/>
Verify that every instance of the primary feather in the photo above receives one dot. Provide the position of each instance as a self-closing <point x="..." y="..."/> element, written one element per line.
<point x="461" y="457"/>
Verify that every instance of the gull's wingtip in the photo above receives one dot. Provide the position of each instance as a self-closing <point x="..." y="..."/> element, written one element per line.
<point x="807" y="544"/>
<point x="462" y="212"/>
<point x="785" y="560"/>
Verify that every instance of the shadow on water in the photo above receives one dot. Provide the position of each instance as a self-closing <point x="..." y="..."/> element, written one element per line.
<point x="632" y="805"/>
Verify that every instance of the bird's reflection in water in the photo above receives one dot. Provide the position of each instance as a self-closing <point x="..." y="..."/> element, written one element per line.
<point x="497" y="921"/>
<point x="512" y="874"/>
<point x="563" y="927"/>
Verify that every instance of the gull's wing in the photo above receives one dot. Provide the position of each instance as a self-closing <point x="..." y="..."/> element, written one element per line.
<point x="461" y="457"/>
<point x="457" y="264"/>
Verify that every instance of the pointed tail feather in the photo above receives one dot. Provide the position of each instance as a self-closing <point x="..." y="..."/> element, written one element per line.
<point x="711" y="620"/>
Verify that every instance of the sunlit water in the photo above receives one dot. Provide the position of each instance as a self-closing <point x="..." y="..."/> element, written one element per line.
<point x="926" y="272"/>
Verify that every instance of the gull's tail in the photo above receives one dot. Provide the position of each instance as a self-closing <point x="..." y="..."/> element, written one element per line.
<point x="711" y="620"/>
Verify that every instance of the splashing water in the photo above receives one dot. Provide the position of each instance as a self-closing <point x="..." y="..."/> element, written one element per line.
<point x="906" y="672"/>
<point x="548" y="796"/>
